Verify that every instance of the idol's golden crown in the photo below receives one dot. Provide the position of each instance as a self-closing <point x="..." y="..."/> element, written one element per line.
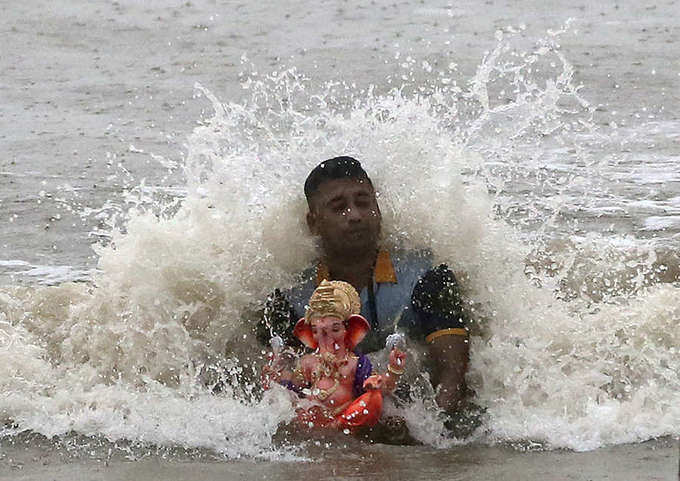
<point x="333" y="298"/>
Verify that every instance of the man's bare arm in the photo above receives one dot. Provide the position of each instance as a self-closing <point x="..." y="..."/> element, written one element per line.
<point x="450" y="355"/>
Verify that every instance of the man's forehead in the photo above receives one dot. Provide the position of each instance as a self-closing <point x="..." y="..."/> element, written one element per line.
<point x="335" y="187"/>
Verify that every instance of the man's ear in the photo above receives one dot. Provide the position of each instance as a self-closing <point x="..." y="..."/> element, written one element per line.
<point x="311" y="223"/>
<point x="377" y="205"/>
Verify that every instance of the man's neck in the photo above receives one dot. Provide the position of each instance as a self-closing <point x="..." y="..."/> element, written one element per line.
<point x="357" y="270"/>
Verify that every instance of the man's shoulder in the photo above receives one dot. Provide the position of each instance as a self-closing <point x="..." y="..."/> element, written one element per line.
<point x="409" y="258"/>
<point x="411" y="264"/>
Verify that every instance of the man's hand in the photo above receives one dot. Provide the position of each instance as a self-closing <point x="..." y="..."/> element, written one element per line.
<point x="450" y="355"/>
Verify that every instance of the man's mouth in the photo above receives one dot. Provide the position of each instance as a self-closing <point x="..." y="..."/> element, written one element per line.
<point x="357" y="236"/>
<point x="358" y="232"/>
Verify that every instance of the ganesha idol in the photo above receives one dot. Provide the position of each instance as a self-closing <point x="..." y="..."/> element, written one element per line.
<point x="335" y="382"/>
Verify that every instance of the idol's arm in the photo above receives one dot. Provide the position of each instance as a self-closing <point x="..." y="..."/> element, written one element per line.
<point x="284" y="369"/>
<point x="388" y="382"/>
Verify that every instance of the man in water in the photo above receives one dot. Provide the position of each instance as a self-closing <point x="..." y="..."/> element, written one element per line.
<point x="399" y="290"/>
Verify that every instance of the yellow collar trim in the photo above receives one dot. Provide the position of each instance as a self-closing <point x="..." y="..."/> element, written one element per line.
<point x="384" y="269"/>
<point x="382" y="272"/>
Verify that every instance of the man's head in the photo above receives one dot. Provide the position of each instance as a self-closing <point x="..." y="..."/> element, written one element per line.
<point x="343" y="210"/>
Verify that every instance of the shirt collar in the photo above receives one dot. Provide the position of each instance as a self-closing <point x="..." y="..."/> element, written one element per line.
<point x="382" y="272"/>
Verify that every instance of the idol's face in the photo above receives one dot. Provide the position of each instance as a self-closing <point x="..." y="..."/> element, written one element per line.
<point x="329" y="333"/>
<point x="344" y="213"/>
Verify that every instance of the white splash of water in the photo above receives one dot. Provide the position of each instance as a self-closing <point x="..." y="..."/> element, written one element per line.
<point x="169" y="313"/>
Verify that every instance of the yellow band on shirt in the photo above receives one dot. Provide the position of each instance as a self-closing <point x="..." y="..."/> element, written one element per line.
<point x="453" y="331"/>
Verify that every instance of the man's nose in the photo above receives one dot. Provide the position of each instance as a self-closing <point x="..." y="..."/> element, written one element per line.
<point x="353" y="214"/>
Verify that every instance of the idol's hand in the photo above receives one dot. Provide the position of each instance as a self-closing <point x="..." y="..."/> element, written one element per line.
<point x="397" y="362"/>
<point x="273" y="370"/>
<point x="374" y="382"/>
<point x="270" y="374"/>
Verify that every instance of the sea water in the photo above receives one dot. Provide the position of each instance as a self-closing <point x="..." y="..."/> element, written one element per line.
<point x="555" y="202"/>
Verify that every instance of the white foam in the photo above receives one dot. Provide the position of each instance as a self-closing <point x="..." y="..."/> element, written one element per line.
<point x="662" y="223"/>
<point x="46" y="275"/>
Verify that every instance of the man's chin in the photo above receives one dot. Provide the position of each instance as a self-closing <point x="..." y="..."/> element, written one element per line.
<point x="362" y="237"/>
<point x="353" y="246"/>
<point x="359" y="246"/>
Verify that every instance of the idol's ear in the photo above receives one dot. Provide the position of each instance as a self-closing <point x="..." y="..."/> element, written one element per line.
<point x="303" y="331"/>
<point x="357" y="328"/>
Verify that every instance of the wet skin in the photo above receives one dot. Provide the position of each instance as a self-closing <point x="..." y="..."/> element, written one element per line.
<point x="344" y="214"/>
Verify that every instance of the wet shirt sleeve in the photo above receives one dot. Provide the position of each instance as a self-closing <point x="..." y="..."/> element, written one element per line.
<point x="436" y="303"/>
<point x="278" y="318"/>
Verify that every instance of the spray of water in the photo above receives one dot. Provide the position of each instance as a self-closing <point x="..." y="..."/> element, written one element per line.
<point x="168" y="316"/>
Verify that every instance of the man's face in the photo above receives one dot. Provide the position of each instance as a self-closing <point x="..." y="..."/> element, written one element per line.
<point x="344" y="213"/>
